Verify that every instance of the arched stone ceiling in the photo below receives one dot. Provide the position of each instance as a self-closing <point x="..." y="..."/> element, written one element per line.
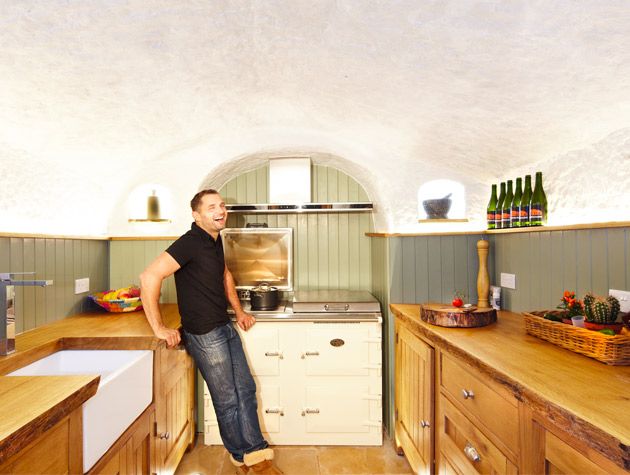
<point x="99" y="97"/>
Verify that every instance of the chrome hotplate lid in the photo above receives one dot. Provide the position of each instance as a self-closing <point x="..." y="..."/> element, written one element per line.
<point x="334" y="301"/>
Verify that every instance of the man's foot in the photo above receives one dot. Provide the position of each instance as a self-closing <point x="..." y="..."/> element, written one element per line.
<point x="240" y="467"/>
<point x="261" y="462"/>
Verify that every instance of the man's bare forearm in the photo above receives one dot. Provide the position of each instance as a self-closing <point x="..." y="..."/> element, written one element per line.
<point x="150" y="291"/>
<point x="230" y="291"/>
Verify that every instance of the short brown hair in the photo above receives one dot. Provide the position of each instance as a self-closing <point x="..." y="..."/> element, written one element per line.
<point x="194" y="203"/>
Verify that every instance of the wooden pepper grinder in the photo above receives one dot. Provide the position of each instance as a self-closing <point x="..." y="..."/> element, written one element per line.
<point x="483" y="279"/>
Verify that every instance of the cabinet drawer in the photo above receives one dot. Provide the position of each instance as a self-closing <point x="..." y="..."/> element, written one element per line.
<point x="480" y="398"/>
<point x="464" y="448"/>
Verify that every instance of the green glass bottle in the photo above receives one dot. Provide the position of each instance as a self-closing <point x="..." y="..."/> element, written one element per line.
<point x="538" y="203"/>
<point x="499" y="216"/>
<point x="526" y="201"/>
<point x="492" y="209"/>
<point x="515" y="215"/>
<point x="507" y="205"/>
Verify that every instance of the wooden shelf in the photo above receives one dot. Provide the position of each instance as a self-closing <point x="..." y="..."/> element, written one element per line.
<point x="530" y="229"/>
<point x="159" y="220"/>
<point x="569" y="227"/>
<point x="447" y="220"/>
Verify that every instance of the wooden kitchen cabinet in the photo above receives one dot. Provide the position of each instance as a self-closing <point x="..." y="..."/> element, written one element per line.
<point x="132" y="452"/>
<point x="56" y="451"/>
<point x="174" y="426"/>
<point x="414" y="399"/>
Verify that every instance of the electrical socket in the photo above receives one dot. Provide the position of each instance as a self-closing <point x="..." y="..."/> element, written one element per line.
<point x="508" y="280"/>
<point x="624" y="298"/>
<point x="81" y="285"/>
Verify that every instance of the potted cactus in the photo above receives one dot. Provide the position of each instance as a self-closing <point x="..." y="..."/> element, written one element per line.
<point x="601" y="312"/>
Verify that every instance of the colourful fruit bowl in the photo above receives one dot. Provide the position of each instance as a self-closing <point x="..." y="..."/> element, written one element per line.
<point x="126" y="299"/>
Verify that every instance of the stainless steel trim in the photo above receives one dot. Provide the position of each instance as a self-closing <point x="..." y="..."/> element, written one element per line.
<point x="318" y="317"/>
<point x="269" y="208"/>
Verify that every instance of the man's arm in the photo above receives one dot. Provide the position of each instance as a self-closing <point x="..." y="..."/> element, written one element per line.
<point x="151" y="284"/>
<point x="243" y="319"/>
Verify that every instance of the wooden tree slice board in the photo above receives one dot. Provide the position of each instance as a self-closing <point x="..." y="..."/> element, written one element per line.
<point x="449" y="316"/>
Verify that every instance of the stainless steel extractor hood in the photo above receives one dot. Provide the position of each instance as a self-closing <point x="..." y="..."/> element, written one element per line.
<point x="290" y="192"/>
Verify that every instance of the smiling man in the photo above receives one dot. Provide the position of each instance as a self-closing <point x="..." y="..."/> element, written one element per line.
<point x="204" y="285"/>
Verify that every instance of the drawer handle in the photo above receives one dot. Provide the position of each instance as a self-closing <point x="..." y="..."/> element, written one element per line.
<point x="309" y="411"/>
<point x="274" y="353"/>
<point x="471" y="453"/>
<point x="468" y="394"/>
<point x="310" y="353"/>
<point x="424" y="424"/>
<point x="275" y="410"/>
<point x="165" y="435"/>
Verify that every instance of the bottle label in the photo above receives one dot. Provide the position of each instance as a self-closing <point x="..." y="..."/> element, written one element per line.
<point x="525" y="215"/>
<point x="491" y="220"/>
<point x="506" y="217"/>
<point x="536" y="214"/>
<point x="516" y="216"/>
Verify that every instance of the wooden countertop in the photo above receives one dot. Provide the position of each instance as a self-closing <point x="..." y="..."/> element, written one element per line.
<point x="584" y="397"/>
<point x="32" y="404"/>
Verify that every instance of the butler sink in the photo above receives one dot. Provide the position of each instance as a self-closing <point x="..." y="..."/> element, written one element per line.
<point x="124" y="391"/>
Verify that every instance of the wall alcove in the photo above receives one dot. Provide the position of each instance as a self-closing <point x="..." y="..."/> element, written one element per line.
<point x="330" y="250"/>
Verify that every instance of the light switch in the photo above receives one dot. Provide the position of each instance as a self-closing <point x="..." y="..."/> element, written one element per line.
<point x="81" y="285"/>
<point x="508" y="280"/>
<point x="624" y="298"/>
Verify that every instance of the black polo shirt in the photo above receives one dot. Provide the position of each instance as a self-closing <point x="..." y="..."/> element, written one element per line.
<point x="199" y="282"/>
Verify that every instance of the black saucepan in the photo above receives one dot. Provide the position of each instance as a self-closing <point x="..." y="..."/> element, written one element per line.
<point x="264" y="297"/>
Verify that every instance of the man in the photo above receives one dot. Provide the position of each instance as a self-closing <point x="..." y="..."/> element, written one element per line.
<point x="204" y="285"/>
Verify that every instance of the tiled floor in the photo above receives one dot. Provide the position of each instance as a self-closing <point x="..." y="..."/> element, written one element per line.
<point x="303" y="460"/>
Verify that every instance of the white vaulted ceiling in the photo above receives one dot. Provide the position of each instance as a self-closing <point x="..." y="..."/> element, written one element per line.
<point x="98" y="97"/>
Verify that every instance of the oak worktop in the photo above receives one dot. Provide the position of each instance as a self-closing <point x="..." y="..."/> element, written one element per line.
<point x="32" y="404"/>
<point x="584" y="397"/>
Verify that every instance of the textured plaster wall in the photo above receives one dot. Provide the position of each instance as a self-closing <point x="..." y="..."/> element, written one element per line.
<point x="100" y="97"/>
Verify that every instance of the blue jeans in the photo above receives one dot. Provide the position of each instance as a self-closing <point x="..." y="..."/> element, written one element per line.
<point x="220" y="358"/>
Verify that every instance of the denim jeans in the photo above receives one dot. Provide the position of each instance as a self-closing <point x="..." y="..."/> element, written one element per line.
<point x="220" y="358"/>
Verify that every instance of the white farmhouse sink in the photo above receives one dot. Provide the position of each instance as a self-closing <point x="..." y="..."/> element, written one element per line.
<point x="125" y="390"/>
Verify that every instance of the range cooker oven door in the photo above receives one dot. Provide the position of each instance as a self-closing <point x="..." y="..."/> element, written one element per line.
<point x="257" y="255"/>
<point x="343" y="378"/>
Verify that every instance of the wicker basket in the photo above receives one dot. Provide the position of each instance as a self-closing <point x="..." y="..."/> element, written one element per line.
<point x="612" y="350"/>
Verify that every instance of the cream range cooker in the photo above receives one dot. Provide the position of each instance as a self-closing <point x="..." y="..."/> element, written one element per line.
<point x="316" y="359"/>
<point x="317" y="362"/>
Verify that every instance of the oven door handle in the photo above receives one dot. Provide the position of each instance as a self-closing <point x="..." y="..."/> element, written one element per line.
<point x="336" y="308"/>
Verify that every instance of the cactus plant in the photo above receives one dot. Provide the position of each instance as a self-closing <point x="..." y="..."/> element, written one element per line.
<point x="601" y="309"/>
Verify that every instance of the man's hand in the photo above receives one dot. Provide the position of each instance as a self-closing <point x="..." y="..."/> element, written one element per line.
<point x="245" y="320"/>
<point x="171" y="336"/>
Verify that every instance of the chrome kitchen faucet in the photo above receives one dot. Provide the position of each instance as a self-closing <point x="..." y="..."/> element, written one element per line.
<point x="7" y="311"/>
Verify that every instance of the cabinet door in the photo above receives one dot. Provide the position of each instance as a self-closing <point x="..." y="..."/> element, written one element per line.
<point x="57" y="451"/>
<point x="561" y="458"/>
<point x="414" y="399"/>
<point x="174" y="429"/>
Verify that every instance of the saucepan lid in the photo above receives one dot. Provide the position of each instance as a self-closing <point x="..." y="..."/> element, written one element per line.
<point x="264" y="287"/>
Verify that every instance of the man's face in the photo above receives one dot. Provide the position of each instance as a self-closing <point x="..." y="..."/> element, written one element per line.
<point x="211" y="214"/>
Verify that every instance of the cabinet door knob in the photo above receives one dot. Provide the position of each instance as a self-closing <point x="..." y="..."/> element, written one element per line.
<point x="309" y="411"/>
<point x="275" y="410"/>
<point x="424" y="424"/>
<point x="468" y="394"/>
<point x="471" y="453"/>
<point x="165" y="435"/>
<point x="310" y="353"/>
